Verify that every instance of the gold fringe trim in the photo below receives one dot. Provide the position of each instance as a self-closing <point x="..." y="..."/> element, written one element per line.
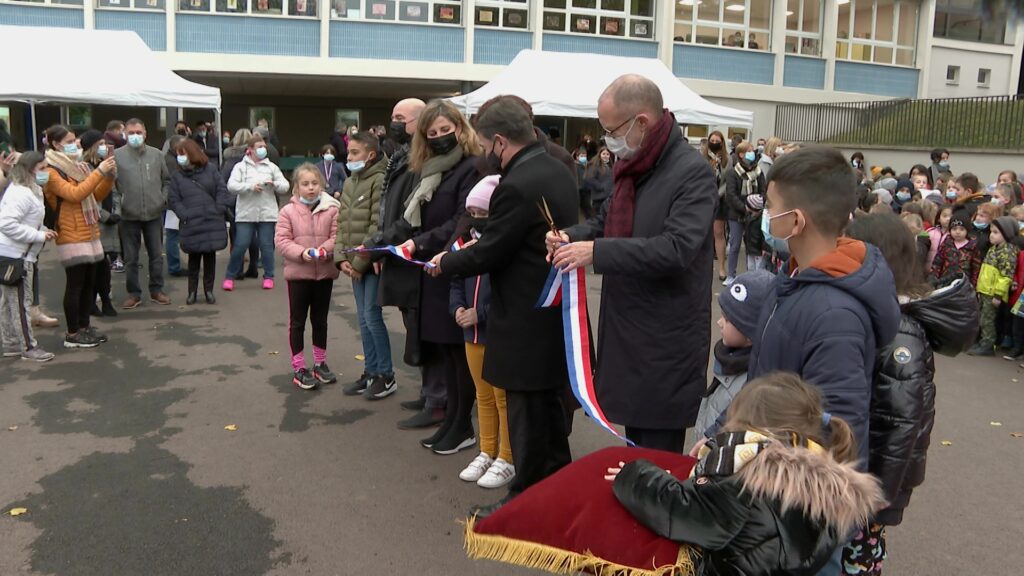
<point x="558" y="561"/>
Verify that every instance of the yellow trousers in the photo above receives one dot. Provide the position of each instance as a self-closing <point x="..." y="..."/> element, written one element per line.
<point x="490" y="407"/>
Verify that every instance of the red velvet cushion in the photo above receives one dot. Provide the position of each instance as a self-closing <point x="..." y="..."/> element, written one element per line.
<point x="572" y="522"/>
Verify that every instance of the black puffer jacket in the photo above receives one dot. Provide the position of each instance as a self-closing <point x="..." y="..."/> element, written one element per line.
<point x="200" y="199"/>
<point x="739" y="520"/>
<point x="903" y="389"/>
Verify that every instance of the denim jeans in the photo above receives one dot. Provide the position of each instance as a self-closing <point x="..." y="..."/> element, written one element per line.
<point x="172" y="250"/>
<point x="372" y="330"/>
<point x="735" y="238"/>
<point x="134" y="234"/>
<point x="243" y="238"/>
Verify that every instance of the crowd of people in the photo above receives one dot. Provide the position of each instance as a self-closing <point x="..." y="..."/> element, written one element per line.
<point x="855" y="276"/>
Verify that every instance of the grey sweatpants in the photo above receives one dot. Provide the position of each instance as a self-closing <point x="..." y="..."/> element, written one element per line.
<point x="15" y="325"/>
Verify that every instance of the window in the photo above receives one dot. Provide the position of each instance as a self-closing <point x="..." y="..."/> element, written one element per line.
<point x="347" y="118"/>
<point x="880" y="31"/>
<point x="622" y="18"/>
<point x="735" y="23"/>
<point x="137" y="4"/>
<point x="984" y="76"/>
<point x="264" y="7"/>
<point x="962" y="20"/>
<point x="803" y="27"/>
<point x="952" y="75"/>
<point x="425" y="11"/>
<point x="503" y="13"/>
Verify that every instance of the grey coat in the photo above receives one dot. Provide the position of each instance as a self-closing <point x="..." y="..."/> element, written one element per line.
<point x="654" y="333"/>
<point x="142" y="183"/>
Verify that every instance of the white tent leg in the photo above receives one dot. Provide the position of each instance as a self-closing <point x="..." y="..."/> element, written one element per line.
<point x="34" y="136"/>
<point x="220" y="133"/>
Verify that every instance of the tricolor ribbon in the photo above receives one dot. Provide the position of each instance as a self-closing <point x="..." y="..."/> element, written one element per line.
<point x="394" y="250"/>
<point x="570" y="290"/>
<point x="460" y="243"/>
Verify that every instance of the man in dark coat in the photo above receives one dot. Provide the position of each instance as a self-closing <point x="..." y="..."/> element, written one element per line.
<point x="653" y="243"/>
<point x="208" y="142"/>
<point x="526" y="349"/>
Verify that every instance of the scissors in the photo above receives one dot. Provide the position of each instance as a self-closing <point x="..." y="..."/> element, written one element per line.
<point x="546" y="213"/>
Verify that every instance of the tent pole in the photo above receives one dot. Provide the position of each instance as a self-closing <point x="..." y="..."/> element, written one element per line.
<point x="35" y="138"/>
<point x="220" y="132"/>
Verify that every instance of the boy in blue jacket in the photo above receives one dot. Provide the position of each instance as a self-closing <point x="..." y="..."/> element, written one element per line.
<point x="836" y="303"/>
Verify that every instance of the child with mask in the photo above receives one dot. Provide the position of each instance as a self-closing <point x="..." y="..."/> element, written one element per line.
<point x="995" y="280"/>
<point x="958" y="255"/>
<point x="357" y="223"/>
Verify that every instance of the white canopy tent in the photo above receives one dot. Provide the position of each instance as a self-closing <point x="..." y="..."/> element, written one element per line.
<point x="141" y="78"/>
<point x="569" y="84"/>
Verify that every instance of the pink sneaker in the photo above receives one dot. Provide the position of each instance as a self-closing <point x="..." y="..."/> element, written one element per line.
<point x="268" y="283"/>
<point x="228" y="285"/>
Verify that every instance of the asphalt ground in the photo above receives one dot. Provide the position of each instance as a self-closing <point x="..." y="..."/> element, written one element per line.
<point x="121" y="456"/>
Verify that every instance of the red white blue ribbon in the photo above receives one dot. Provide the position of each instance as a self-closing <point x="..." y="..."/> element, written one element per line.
<point x="461" y="243"/>
<point x="570" y="290"/>
<point x="395" y="251"/>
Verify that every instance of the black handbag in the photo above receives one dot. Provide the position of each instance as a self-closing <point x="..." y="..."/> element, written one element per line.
<point x="12" y="270"/>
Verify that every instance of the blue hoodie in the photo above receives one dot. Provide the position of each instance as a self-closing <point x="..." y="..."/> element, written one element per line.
<point x="826" y="324"/>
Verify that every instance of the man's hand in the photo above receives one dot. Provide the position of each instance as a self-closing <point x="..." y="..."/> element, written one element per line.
<point x="573" y="256"/>
<point x="356" y="274"/>
<point x="409" y="246"/>
<point x="554" y="242"/>
<point x="435" y="270"/>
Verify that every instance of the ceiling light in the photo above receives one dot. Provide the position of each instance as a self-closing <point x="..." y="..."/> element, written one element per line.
<point x="841" y="2"/>
<point x="736" y="7"/>
<point x="689" y="2"/>
<point x="789" y="12"/>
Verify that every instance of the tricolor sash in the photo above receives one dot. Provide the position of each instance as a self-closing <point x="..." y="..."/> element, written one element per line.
<point x="570" y="290"/>
<point x="394" y="250"/>
<point x="460" y="243"/>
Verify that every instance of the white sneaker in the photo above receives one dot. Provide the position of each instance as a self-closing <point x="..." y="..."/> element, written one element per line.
<point x="499" y="474"/>
<point x="477" y="468"/>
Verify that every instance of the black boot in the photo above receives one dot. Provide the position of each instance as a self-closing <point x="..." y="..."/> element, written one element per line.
<point x="425" y="418"/>
<point x="108" y="308"/>
<point x="210" y="298"/>
<point x="191" y="298"/>
<point x="96" y="310"/>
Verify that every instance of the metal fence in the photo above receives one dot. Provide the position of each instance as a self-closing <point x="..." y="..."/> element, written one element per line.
<point x="990" y="123"/>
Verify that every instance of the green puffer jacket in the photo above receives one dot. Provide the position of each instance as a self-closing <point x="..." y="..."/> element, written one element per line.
<point x="357" y="218"/>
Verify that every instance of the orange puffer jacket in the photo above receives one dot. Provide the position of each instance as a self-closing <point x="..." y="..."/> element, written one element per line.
<point x="71" y="226"/>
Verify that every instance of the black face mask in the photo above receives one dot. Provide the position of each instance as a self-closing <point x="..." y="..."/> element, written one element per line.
<point x="397" y="133"/>
<point x="494" y="161"/>
<point x="443" y="144"/>
<point x="715" y="146"/>
<point x="478" y="224"/>
<point x="182" y="132"/>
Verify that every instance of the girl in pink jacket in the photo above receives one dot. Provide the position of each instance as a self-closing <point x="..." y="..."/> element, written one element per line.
<point x="305" y="234"/>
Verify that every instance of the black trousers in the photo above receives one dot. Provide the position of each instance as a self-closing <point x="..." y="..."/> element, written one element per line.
<point x="667" y="440"/>
<point x="307" y="298"/>
<point x="460" y="390"/>
<point x="102" y="284"/>
<point x="439" y="373"/>
<point x="209" y="263"/>
<point x="538" y="434"/>
<point x="79" y="295"/>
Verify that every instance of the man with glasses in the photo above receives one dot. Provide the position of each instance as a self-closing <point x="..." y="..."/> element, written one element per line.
<point x="653" y="244"/>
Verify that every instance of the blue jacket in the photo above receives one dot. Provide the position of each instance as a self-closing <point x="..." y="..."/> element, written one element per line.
<point x="469" y="293"/>
<point x="827" y="324"/>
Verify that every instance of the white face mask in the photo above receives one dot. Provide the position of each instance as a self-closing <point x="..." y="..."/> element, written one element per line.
<point x="617" y="144"/>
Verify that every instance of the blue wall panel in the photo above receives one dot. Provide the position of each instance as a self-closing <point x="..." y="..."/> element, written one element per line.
<point x="876" y="79"/>
<point x="801" y="72"/>
<point x="150" y="26"/>
<point x="705" y="63"/>
<point x="381" y="41"/>
<point x="243" y="35"/>
<point x="596" y="45"/>
<point x="13" y="15"/>
<point x="499" y="46"/>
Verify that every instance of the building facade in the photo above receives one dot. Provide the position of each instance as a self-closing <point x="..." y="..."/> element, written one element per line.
<point x="309" y="64"/>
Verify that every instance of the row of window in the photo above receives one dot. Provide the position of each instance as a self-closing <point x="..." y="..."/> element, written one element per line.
<point x="953" y="76"/>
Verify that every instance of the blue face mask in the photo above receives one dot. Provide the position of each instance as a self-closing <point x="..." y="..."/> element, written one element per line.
<point x="951" y="194"/>
<point x="903" y="196"/>
<point x="354" y="167"/>
<point x="182" y="160"/>
<point x="776" y="244"/>
<point x="201" y="134"/>
<point x="261" y="153"/>
<point x="102" y="151"/>
<point x="328" y="158"/>
<point x="750" y="156"/>
<point x="135" y="140"/>
<point x="42" y="177"/>
<point x="71" y="150"/>
<point x="997" y="201"/>
<point x="308" y="202"/>
<point x="981" y="225"/>
<point x="582" y="160"/>
<point x="226" y="141"/>
<point x="944" y="164"/>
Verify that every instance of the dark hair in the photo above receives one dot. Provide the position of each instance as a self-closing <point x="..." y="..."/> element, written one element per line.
<point x="937" y="153"/>
<point x="969" y="181"/>
<point x="818" y="181"/>
<point x="857" y="156"/>
<point x="888" y="170"/>
<point x="368" y="141"/>
<point x="921" y="169"/>
<point x="113" y="125"/>
<point x="131" y="121"/>
<point x="200" y="123"/>
<point x="1013" y="175"/>
<point x="56" y="133"/>
<point x="896" y="242"/>
<point x="503" y="115"/>
<point x="328" y="149"/>
<point x="196" y="156"/>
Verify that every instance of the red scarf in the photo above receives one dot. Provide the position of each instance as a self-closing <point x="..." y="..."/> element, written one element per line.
<point x="619" y="221"/>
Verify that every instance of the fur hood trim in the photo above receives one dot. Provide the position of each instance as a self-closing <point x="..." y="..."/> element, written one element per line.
<point x="822" y="488"/>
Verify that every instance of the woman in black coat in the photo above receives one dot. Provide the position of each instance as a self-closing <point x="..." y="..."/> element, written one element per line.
<point x="443" y="156"/>
<point x="903" y="390"/>
<point x="745" y="179"/>
<point x="598" y="180"/>
<point x="200" y="199"/>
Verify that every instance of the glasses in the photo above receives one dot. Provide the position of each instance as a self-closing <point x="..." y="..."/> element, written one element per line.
<point x="616" y="129"/>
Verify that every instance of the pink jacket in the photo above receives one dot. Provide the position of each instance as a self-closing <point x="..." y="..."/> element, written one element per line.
<point x="299" y="229"/>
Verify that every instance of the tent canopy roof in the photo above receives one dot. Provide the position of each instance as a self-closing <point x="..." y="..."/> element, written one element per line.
<point x="141" y="79"/>
<point x="568" y="84"/>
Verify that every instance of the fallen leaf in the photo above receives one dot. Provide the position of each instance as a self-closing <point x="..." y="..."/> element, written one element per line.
<point x="1015" y="380"/>
<point x="231" y="427"/>
<point x="996" y="423"/>
<point x="18" y="511"/>
<point x="273" y="353"/>
<point x="12" y="428"/>
<point x="1016" y="434"/>
<point x="947" y="443"/>
<point x="181" y="307"/>
<point x="360" y="357"/>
